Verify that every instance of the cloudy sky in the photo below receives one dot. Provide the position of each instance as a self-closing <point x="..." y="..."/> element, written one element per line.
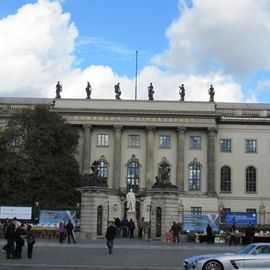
<point x="190" y="42"/>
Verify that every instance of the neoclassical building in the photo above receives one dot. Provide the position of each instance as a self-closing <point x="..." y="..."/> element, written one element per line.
<point x="216" y="154"/>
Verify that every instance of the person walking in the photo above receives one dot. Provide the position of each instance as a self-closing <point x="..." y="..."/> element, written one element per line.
<point x="175" y="231"/>
<point x="209" y="234"/>
<point x="145" y="231"/>
<point x="10" y="236"/>
<point x="118" y="225"/>
<point x="19" y="239"/>
<point x="110" y="235"/>
<point x="248" y="234"/>
<point x="62" y="231"/>
<point x="125" y="227"/>
<point x="252" y="233"/>
<point x="30" y="241"/>
<point x="233" y="232"/>
<point x="131" y="227"/>
<point x="141" y="225"/>
<point x="4" y="248"/>
<point x="70" y="231"/>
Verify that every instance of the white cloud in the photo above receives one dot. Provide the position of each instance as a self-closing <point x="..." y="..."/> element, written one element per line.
<point x="233" y="36"/>
<point x="37" y="46"/>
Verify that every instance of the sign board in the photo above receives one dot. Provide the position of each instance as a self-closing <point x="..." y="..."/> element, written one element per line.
<point x="199" y="222"/>
<point x="52" y="218"/>
<point x="21" y="213"/>
<point x="240" y="218"/>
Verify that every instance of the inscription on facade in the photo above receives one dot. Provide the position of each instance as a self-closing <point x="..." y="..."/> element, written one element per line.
<point x="142" y="119"/>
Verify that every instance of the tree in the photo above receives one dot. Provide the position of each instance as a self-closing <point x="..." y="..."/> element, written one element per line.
<point x="37" y="162"/>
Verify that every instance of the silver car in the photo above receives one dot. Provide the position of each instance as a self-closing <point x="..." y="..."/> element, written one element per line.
<point x="254" y="256"/>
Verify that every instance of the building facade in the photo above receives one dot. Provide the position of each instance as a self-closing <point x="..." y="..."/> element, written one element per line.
<point x="217" y="154"/>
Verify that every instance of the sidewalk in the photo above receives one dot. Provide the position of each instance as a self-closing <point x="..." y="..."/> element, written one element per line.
<point x="133" y="243"/>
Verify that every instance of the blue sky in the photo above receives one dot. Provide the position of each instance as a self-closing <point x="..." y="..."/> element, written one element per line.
<point x="198" y="43"/>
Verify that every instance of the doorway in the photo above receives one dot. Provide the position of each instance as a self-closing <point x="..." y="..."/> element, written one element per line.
<point x="99" y="219"/>
<point x="158" y="224"/>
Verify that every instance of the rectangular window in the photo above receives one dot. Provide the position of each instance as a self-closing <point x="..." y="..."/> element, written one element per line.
<point x="133" y="141"/>
<point x="226" y="145"/>
<point x="196" y="210"/>
<point x="103" y="139"/>
<point x="195" y="142"/>
<point x="251" y="210"/>
<point x="251" y="146"/>
<point x="164" y="141"/>
<point x="227" y="210"/>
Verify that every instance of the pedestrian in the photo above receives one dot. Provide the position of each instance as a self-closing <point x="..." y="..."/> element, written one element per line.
<point x="118" y="225"/>
<point x="10" y="236"/>
<point x="248" y="234"/>
<point x="30" y="239"/>
<point x="110" y="235"/>
<point x="125" y="226"/>
<point x="141" y="225"/>
<point x="131" y="227"/>
<point x="175" y="231"/>
<point x="209" y="234"/>
<point x="145" y="231"/>
<point x="19" y="239"/>
<point x="233" y="234"/>
<point x="62" y="231"/>
<point x="4" y="248"/>
<point x="70" y="231"/>
<point x="252" y="233"/>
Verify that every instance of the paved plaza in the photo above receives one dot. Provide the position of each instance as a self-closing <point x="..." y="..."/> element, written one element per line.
<point x="133" y="254"/>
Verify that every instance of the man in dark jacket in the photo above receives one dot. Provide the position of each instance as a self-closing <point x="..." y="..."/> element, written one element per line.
<point x="110" y="235"/>
<point x="175" y="231"/>
<point x="10" y="236"/>
<point x="131" y="227"/>
<point x="70" y="231"/>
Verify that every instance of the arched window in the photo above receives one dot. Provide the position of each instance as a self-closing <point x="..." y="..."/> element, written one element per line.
<point x="251" y="179"/>
<point x="194" y="181"/>
<point x="133" y="174"/>
<point x="225" y="179"/>
<point x="103" y="169"/>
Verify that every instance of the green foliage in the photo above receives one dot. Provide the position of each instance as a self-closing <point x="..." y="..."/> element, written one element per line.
<point x="37" y="160"/>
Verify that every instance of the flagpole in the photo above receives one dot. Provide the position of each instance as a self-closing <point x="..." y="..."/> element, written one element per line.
<point x="136" y="75"/>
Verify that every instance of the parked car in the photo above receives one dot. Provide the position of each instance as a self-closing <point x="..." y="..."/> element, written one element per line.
<point x="254" y="256"/>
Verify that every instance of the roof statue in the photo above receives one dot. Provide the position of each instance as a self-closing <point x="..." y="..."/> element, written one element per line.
<point x="182" y="92"/>
<point x="151" y="92"/>
<point x="58" y="90"/>
<point x="211" y="93"/>
<point x="88" y="90"/>
<point x="117" y="91"/>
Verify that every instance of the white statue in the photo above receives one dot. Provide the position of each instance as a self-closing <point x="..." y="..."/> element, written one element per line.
<point x="131" y="200"/>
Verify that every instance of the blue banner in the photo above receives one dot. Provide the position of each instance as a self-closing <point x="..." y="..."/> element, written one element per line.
<point x="195" y="222"/>
<point x="52" y="218"/>
<point x="240" y="218"/>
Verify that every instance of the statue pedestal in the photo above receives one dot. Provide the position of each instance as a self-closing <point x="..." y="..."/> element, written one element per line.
<point x="131" y="214"/>
<point x="94" y="212"/>
<point x="164" y="210"/>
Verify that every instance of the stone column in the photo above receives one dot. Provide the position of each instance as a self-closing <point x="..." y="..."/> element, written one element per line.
<point x="211" y="150"/>
<point x="86" y="148"/>
<point x="180" y="165"/>
<point x="149" y="156"/>
<point x="117" y="157"/>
